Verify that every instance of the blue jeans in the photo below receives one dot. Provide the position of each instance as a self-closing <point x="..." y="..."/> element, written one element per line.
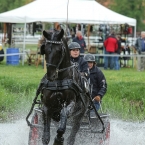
<point x="116" y="63"/>
<point x="108" y="60"/>
<point x="97" y="105"/>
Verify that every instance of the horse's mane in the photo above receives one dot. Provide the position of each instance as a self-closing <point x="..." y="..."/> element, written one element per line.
<point x="67" y="49"/>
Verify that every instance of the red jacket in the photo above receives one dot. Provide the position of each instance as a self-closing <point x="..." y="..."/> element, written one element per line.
<point x="111" y="44"/>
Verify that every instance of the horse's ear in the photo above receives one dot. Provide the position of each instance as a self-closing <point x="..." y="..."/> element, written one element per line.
<point x="45" y="34"/>
<point x="60" y="35"/>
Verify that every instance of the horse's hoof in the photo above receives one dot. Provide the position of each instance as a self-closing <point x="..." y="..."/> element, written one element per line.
<point x="58" y="141"/>
<point x="45" y="138"/>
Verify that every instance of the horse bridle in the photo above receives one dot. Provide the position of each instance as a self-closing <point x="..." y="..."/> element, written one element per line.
<point x="62" y="57"/>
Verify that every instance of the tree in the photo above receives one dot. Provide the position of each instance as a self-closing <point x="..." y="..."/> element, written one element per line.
<point x="131" y="8"/>
<point x="6" y="5"/>
<point x="104" y="2"/>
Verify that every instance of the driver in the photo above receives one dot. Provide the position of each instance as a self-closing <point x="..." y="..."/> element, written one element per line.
<point x="76" y="58"/>
<point x="97" y="80"/>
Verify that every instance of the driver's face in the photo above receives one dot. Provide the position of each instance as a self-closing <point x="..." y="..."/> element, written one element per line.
<point x="75" y="53"/>
<point x="90" y="64"/>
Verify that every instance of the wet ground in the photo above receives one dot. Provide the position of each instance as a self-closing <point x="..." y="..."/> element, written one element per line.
<point x="122" y="133"/>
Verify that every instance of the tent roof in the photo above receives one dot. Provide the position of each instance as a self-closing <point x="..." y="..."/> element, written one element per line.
<point x="79" y="11"/>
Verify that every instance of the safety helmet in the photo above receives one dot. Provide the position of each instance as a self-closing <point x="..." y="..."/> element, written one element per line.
<point x="74" y="45"/>
<point x="89" y="57"/>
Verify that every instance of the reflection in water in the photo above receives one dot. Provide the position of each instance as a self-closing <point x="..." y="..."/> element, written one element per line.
<point x="122" y="133"/>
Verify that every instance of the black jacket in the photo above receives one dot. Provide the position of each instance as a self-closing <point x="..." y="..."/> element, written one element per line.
<point x="98" y="80"/>
<point x="81" y="42"/>
<point x="118" y="51"/>
<point x="1" y="57"/>
<point x="82" y="64"/>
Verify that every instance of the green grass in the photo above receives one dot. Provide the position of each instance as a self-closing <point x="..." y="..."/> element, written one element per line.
<point x="17" y="89"/>
<point x="125" y="97"/>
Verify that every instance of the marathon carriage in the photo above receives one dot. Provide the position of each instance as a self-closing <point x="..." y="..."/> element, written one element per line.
<point x="94" y="131"/>
<point x="62" y="115"/>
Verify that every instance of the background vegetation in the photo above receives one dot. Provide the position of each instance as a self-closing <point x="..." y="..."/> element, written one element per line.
<point x="132" y="8"/>
<point x="124" y="99"/>
<point x="6" y="5"/>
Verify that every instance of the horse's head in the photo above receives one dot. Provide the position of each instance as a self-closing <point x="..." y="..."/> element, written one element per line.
<point x="54" y="52"/>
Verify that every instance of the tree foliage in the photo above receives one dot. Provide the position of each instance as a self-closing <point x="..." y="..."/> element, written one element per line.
<point x="131" y="8"/>
<point x="6" y="5"/>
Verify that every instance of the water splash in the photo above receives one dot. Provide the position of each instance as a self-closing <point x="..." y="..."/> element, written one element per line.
<point x="127" y="133"/>
<point x="122" y="133"/>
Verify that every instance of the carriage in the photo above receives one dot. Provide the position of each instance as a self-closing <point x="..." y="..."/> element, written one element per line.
<point x="93" y="130"/>
<point x="65" y="104"/>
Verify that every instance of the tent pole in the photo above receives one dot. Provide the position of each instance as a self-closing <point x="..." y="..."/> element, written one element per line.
<point x="24" y="44"/>
<point x="135" y="31"/>
<point x="134" y="62"/>
<point x="88" y="34"/>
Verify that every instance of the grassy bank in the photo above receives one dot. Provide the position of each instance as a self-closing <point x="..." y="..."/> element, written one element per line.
<point x="125" y="97"/>
<point x="17" y="89"/>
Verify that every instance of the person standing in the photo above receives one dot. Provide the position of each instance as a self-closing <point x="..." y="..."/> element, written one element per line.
<point x="1" y="52"/>
<point x="97" y="80"/>
<point x="80" y="40"/>
<point x="111" y="45"/>
<point x="116" y="58"/>
<point x="126" y="51"/>
<point x="140" y="47"/>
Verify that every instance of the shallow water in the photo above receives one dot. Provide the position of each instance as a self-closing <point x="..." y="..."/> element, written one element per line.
<point x="127" y="133"/>
<point x="122" y="133"/>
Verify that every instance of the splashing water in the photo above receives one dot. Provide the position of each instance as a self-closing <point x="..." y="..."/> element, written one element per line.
<point x="122" y="133"/>
<point x="14" y="133"/>
<point x="127" y="133"/>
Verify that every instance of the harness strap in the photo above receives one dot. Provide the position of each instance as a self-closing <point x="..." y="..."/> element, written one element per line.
<point x="63" y="69"/>
<point x="54" y="42"/>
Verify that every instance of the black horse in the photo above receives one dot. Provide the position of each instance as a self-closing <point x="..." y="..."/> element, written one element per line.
<point x="62" y="95"/>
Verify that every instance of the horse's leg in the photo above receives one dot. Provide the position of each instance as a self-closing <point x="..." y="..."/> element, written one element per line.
<point x="46" y="131"/>
<point x="65" y="112"/>
<point x="61" y="129"/>
<point x="76" y="126"/>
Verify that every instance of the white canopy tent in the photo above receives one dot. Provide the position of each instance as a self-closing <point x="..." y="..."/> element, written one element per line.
<point x="71" y="11"/>
<point x="65" y="11"/>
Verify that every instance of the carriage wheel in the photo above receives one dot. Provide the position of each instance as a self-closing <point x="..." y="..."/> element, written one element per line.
<point x="35" y="133"/>
<point x="107" y="134"/>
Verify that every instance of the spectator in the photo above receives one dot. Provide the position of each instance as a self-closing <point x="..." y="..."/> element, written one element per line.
<point x="116" y="58"/>
<point x="126" y="51"/>
<point x="72" y="33"/>
<point x="80" y="40"/>
<point x="111" y="45"/>
<point x="57" y="26"/>
<point x="140" y="47"/>
<point x="1" y="53"/>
